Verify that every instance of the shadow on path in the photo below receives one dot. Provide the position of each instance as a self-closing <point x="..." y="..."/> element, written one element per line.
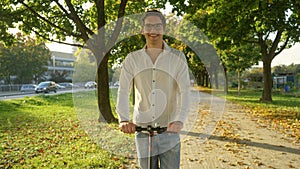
<point x="246" y="142"/>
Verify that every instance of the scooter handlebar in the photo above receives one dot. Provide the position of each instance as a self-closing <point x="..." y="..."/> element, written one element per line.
<point x="150" y="129"/>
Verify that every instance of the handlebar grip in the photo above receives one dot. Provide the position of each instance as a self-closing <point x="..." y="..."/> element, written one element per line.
<point x="139" y="129"/>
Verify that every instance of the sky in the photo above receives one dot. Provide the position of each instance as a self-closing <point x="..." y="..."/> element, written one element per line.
<point x="59" y="47"/>
<point x="288" y="56"/>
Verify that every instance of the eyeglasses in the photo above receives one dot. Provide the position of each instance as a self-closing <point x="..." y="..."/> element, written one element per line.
<point x="157" y="27"/>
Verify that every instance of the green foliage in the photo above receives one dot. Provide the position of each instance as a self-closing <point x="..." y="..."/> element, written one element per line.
<point x="59" y="76"/>
<point x="271" y="25"/>
<point x="25" y="59"/>
<point x="55" y="20"/>
<point x="240" y="57"/>
<point x="7" y="19"/>
<point x="124" y="47"/>
<point x="85" y="66"/>
<point x="82" y="21"/>
<point x="281" y="69"/>
<point x="44" y="132"/>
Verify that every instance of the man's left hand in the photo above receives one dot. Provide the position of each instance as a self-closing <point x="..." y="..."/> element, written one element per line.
<point x="175" y="127"/>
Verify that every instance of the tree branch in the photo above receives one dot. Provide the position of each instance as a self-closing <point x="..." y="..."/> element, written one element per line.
<point x="263" y="46"/>
<point x="100" y="38"/>
<point x="57" y="41"/>
<point x="101" y="14"/>
<point x="283" y="46"/>
<point x="118" y="26"/>
<point x="275" y="43"/>
<point x="47" y="21"/>
<point x="268" y="35"/>
<point x="83" y="29"/>
<point x="63" y="9"/>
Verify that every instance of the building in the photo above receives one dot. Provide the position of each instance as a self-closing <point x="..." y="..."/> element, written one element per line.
<point x="61" y="64"/>
<point x="285" y="79"/>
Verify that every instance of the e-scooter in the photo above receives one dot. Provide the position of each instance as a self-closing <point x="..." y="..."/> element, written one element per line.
<point x="151" y="131"/>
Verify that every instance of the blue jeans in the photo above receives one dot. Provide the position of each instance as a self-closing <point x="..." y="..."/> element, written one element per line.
<point x="165" y="150"/>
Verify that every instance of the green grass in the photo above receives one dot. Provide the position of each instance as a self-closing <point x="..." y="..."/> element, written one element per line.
<point x="44" y="132"/>
<point x="287" y="105"/>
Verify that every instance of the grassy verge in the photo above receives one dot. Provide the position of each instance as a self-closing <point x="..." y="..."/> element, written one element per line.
<point x="44" y="132"/>
<point x="282" y="114"/>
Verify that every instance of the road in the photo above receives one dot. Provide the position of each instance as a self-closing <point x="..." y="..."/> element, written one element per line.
<point x="8" y="96"/>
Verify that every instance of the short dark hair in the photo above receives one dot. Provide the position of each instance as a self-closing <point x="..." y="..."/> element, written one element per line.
<point x="154" y="13"/>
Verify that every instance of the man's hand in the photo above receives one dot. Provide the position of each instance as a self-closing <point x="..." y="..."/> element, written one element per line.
<point x="175" y="127"/>
<point x="127" y="127"/>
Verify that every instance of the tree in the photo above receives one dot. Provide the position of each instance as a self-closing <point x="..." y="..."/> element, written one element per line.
<point x="84" y="64"/>
<point x="25" y="59"/>
<point x="201" y="56"/>
<point x="84" y="21"/>
<point x="254" y="77"/>
<point x="238" y="58"/>
<point x="272" y="25"/>
<point x="286" y="69"/>
<point x="6" y="21"/>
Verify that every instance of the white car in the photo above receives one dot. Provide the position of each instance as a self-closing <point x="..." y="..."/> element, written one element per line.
<point x="90" y="85"/>
<point x="60" y="86"/>
<point x="117" y="83"/>
<point x="67" y="85"/>
<point x="28" y="88"/>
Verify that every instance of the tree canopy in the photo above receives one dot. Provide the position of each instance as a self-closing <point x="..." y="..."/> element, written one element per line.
<point x="84" y="21"/>
<point x="26" y="60"/>
<point x="271" y="25"/>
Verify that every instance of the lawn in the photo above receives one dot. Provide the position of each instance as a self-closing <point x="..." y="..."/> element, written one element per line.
<point x="44" y="132"/>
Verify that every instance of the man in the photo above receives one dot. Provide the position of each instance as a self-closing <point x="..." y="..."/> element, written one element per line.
<point x="159" y="75"/>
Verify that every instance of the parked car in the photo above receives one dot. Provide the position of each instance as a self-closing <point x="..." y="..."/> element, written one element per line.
<point x="90" y="84"/>
<point x="117" y="83"/>
<point x="28" y="88"/>
<point x="46" y="87"/>
<point x="67" y="85"/>
<point x="58" y="86"/>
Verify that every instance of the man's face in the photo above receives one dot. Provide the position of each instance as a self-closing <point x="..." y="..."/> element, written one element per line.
<point x="153" y="29"/>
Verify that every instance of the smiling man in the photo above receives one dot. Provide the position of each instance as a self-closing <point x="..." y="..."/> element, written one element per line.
<point x="161" y="83"/>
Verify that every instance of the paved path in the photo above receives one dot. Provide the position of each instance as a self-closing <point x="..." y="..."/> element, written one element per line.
<point x="238" y="141"/>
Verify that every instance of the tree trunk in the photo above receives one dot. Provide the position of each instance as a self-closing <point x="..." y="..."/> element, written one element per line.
<point x="216" y="78"/>
<point x="267" y="80"/>
<point x="267" y="57"/>
<point x="201" y="78"/>
<point x="226" y="81"/>
<point x="103" y="92"/>
<point x="207" y="81"/>
<point x="239" y="82"/>
<point x="98" y="48"/>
